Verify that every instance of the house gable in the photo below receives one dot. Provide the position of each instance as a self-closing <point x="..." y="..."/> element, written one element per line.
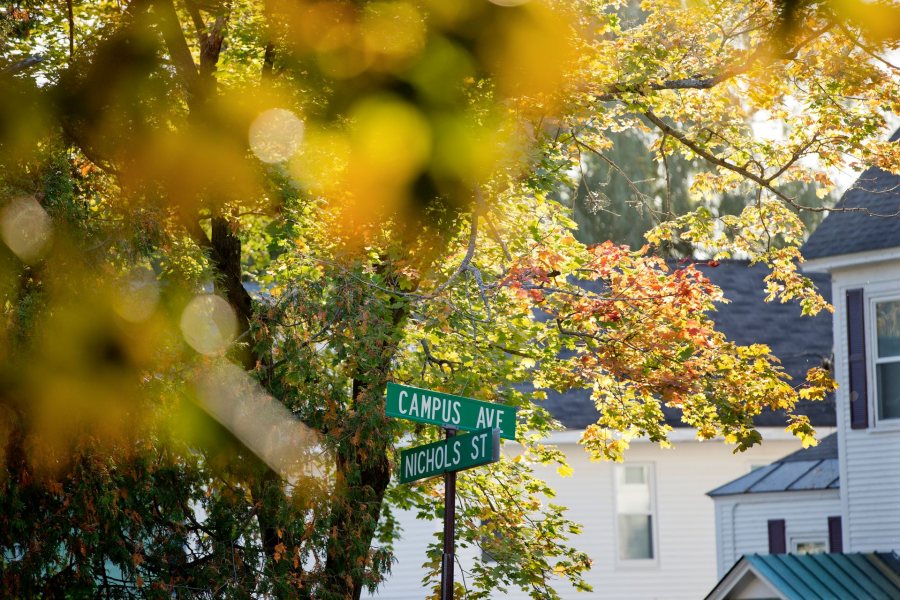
<point x="866" y="576"/>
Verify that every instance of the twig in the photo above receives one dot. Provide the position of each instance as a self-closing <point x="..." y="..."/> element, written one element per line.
<point x="431" y="359"/>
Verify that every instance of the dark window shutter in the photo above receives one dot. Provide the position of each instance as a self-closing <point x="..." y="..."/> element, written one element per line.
<point x="856" y="353"/>
<point x="835" y="537"/>
<point x="777" y="542"/>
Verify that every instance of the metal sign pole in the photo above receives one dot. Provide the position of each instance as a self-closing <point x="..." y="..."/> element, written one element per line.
<point x="449" y="529"/>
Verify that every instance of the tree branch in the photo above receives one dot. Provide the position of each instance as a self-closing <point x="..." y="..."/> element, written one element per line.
<point x="470" y="252"/>
<point x="763" y="182"/>
<point x="194" y="12"/>
<point x="18" y="67"/>
<point x="433" y="360"/>
<point x="712" y="158"/>
<point x="700" y="82"/>
<point x="177" y="45"/>
<point x="70" y="16"/>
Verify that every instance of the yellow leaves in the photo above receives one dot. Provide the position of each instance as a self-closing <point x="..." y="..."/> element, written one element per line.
<point x="801" y="428"/>
<point x="603" y="443"/>
<point x="565" y="471"/>
<point x="818" y="384"/>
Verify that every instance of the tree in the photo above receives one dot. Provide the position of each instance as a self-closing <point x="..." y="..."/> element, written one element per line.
<point x="363" y="187"/>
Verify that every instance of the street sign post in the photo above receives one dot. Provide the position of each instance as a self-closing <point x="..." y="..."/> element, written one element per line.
<point x="448" y="410"/>
<point x="486" y="422"/>
<point x="453" y="454"/>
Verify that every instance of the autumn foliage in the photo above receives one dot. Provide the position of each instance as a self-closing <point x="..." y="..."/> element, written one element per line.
<point x="226" y="225"/>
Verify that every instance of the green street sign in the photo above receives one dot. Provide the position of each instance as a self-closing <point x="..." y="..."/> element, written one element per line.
<point x="452" y="454"/>
<point x="438" y="408"/>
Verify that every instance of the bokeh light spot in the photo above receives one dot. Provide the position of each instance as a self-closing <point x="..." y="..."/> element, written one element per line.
<point x="392" y="139"/>
<point x="275" y="135"/>
<point x="26" y="228"/>
<point x="393" y="29"/>
<point x="209" y="324"/>
<point x="136" y="296"/>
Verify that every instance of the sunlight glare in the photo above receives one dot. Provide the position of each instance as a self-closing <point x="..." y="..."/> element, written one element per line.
<point x="275" y="135"/>
<point x="26" y="228"/>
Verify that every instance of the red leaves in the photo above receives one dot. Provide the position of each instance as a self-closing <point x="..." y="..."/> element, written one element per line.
<point x="536" y="295"/>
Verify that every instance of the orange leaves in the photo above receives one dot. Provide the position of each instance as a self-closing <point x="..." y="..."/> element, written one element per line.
<point x="644" y="338"/>
<point x="280" y="550"/>
<point x="536" y="295"/>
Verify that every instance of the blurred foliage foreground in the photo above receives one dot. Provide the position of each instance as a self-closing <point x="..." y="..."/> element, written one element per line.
<point x="226" y="224"/>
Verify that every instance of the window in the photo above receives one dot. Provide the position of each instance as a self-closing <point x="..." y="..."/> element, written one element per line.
<point x="810" y="547"/>
<point x="634" y="512"/>
<point x="887" y="359"/>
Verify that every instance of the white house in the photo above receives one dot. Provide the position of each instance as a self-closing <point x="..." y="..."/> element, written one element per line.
<point x="792" y="505"/>
<point x="862" y="255"/>
<point x="860" y="249"/>
<point x="648" y="525"/>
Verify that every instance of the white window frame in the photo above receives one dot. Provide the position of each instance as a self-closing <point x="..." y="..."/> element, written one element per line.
<point x="872" y="360"/>
<point x="806" y="538"/>
<point x="650" y="477"/>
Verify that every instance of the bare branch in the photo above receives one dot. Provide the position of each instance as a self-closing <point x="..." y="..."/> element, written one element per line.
<point x="866" y="48"/>
<point x="497" y="237"/>
<point x="18" y="67"/>
<point x="644" y="199"/>
<point x="430" y="359"/>
<point x="476" y="275"/>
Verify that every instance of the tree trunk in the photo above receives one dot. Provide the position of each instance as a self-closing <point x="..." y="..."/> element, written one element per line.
<point x="362" y="471"/>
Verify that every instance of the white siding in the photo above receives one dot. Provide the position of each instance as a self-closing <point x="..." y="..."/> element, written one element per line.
<point x="742" y="521"/>
<point x="870" y="458"/>
<point x="686" y="552"/>
<point x="405" y="579"/>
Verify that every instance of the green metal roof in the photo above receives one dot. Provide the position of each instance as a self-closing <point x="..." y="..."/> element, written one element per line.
<point x="868" y="576"/>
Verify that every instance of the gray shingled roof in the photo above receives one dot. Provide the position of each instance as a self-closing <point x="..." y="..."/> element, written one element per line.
<point x="851" y="232"/>
<point x="813" y="468"/>
<point x="800" y="342"/>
